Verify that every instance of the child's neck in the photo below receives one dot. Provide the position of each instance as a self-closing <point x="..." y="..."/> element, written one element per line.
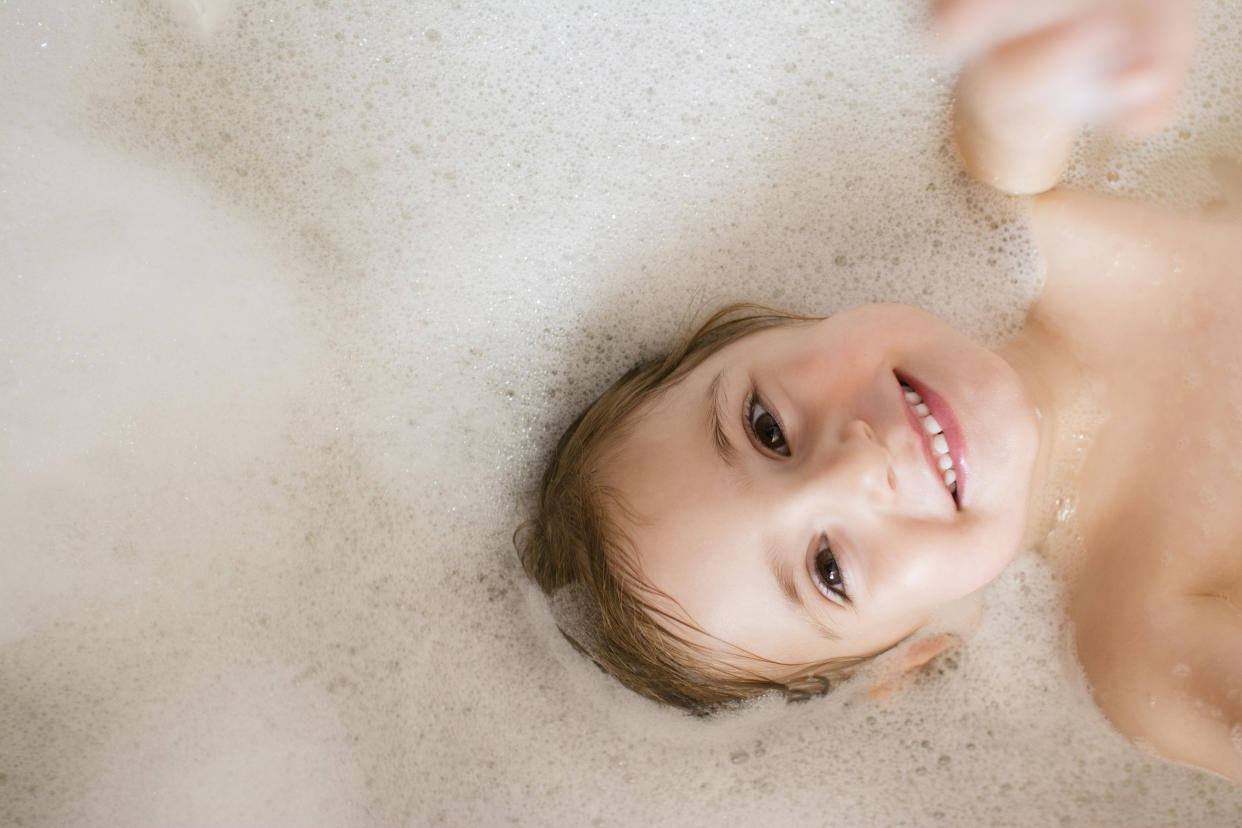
<point x="1066" y="397"/>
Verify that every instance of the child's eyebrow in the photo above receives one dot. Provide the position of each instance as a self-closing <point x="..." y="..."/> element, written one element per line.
<point x="715" y="419"/>
<point x="785" y="579"/>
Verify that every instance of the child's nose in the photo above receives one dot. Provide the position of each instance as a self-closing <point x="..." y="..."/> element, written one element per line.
<point x="857" y="463"/>
<point x="869" y="460"/>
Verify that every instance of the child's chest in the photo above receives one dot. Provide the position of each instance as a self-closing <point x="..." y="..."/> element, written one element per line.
<point x="1161" y="489"/>
<point x="1152" y="305"/>
<point x="1160" y="503"/>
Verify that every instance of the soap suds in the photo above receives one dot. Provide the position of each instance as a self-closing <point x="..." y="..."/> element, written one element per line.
<point x="299" y="296"/>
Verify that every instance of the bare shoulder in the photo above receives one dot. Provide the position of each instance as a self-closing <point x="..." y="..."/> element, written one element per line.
<point x="1106" y="258"/>
<point x="1167" y="672"/>
<point x="1073" y="228"/>
<point x="1075" y="223"/>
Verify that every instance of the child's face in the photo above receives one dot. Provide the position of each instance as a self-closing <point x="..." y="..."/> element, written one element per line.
<point x="815" y="522"/>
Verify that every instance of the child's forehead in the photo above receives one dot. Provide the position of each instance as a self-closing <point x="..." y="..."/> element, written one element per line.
<point x="755" y="344"/>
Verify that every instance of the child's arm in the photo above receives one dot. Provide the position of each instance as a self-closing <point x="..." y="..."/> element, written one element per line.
<point x="1033" y="74"/>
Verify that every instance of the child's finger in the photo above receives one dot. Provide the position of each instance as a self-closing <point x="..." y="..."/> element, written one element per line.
<point x="1169" y="28"/>
<point x="962" y="27"/>
<point x="1063" y="70"/>
<point x="965" y="29"/>
<point x="1020" y="108"/>
<point x="1148" y="87"/>
<point x="1147" y="117"/>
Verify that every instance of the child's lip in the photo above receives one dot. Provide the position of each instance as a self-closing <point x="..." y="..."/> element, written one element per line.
<point x="940" y="409"/>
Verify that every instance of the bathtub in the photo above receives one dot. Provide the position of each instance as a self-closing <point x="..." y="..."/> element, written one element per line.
<point x="297" y="298"/>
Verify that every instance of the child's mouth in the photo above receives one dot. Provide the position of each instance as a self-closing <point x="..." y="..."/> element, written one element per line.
<point x="933" y="432"/>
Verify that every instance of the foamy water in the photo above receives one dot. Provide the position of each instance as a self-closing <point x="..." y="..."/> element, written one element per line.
<point x="297" y="297"/>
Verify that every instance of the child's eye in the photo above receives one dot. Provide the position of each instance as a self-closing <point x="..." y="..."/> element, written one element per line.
<point x="765" y="427"/>
<point x="827" y="574"/>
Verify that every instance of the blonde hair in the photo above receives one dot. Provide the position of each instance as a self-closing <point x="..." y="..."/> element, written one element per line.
<point x="575" y="549"/>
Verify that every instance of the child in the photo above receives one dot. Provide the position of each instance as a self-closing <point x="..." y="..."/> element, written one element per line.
<point x="782" y="498"/>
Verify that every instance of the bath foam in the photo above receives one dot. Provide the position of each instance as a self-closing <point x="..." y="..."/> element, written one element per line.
<point x="301" y="296"/>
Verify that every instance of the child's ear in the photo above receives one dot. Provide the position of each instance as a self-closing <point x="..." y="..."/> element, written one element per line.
<point x="906" y="658"/>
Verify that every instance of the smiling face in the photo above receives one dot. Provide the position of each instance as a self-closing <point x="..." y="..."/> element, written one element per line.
<point x="790" y="492"/>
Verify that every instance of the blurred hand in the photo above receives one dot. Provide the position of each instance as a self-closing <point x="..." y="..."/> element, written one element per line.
<point x="1033" y="73"/>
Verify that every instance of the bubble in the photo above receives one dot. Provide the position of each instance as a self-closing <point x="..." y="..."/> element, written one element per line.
<point x="308" y="292"/>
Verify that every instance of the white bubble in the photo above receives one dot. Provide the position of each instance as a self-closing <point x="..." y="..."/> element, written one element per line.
<point x="304" y="294"/>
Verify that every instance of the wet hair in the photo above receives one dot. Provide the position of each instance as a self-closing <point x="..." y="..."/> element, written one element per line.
<point x="576" y="550"/>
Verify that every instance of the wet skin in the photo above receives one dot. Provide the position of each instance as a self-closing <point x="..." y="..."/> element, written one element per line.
<point x="1145" y="305"/>
<point x="815" y="526"/>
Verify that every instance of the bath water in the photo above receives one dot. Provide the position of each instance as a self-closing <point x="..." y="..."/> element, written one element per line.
<point x="297" y="298"/>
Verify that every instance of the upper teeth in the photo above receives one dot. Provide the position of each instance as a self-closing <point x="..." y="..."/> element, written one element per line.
<point x="939" y="445"/>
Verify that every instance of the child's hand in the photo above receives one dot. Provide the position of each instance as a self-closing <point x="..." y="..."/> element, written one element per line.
<point x="1034" y="73"/>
